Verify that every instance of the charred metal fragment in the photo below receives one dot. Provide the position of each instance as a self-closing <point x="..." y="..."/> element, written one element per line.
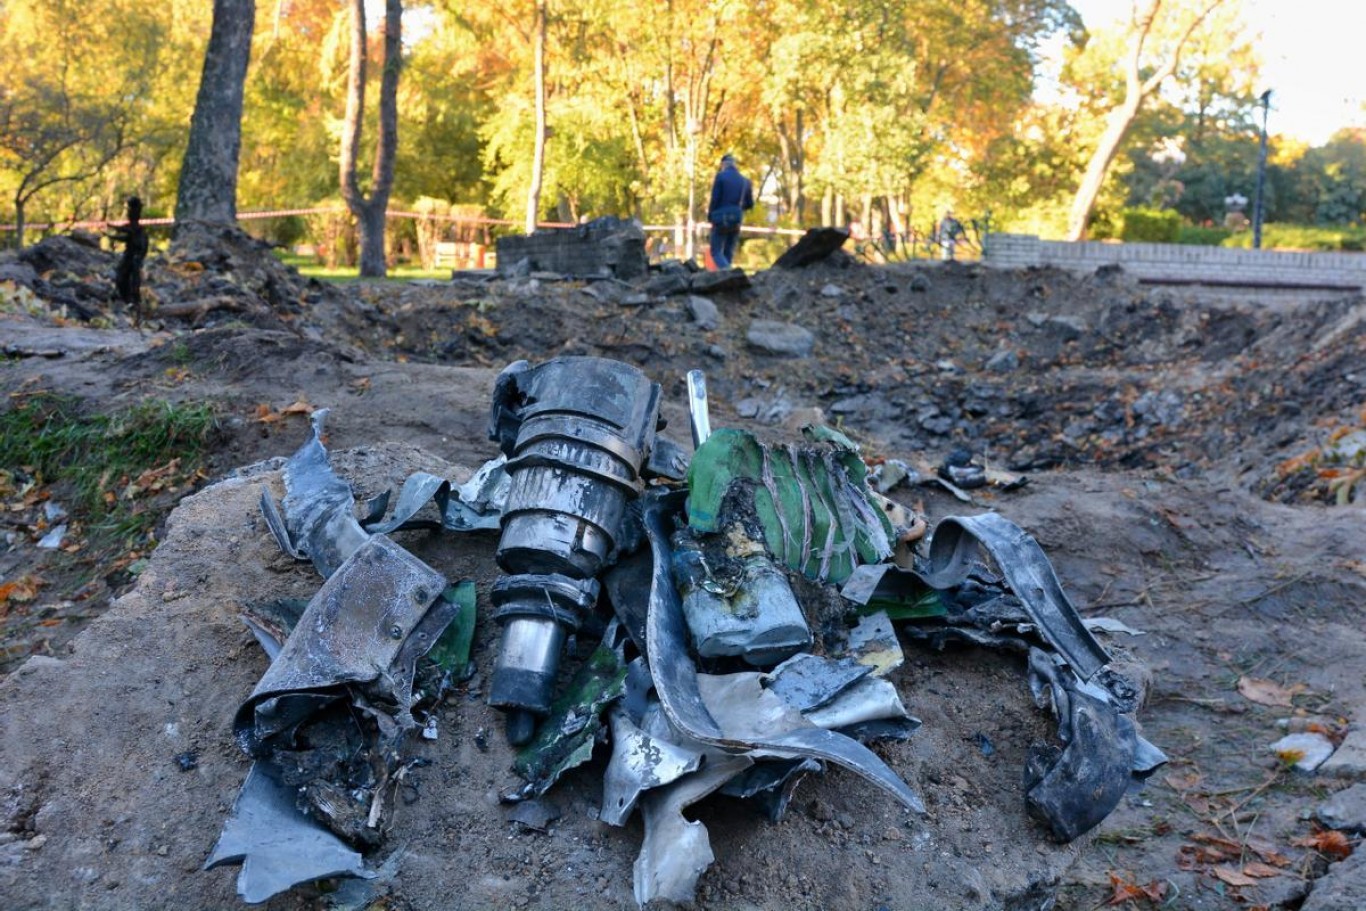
<point x="318" y="522"/>
<point x="1028" y="574"/>
<point x="1074" y="788"/>
<point x="574" y="722"/>
<point x="277" y="846"/>
<point x="639" y="762"/>
<point x="369" y="622"/>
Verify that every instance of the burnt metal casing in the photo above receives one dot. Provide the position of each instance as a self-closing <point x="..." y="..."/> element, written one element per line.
<point x="577" y="432"/>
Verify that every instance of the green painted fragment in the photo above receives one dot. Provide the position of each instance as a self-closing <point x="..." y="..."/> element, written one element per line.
<point x="813" y="503"/>
<point x="565" y="738"/>
<point x="922" y="605"/>
<point x="451" y="652"/>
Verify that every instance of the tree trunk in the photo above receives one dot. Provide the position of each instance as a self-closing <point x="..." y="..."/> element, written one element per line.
<point x="370" y="213"/>
<point x="1121" y="118"/>
<point x="533" y="196"/>
<point x="208" y="175"/>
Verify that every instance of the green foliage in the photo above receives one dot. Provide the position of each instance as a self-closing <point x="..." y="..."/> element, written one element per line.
<point x="333" y="233"/>
<point x="1200" y="236"/>
<point x="1303" y="237"/>
<point x="103" y="457"/>
<point x="1150" y="225"/>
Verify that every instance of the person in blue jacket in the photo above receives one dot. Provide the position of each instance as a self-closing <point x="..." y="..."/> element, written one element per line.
<point x="731" y="197"/>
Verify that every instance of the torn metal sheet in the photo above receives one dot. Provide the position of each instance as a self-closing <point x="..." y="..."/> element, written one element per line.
<point x="751" y="719"/>
<point x="639" y="762"/>
<point x="869" y="699"/>
<point x="808" y="682"/>
<point x="873" y="642"/>
<point x="1028" y="573"/>
<point x="901" y="593"/>
<point x="676" y="852"/>
<point x="771" y="784"/>
<point x="354" y="630"/>
<point x="318" y="521"/>
<point x="1111" y="625"/>
<point x="473" y="506"/>
<point x="277" y="846"/>
<point x="1074" y="788"/>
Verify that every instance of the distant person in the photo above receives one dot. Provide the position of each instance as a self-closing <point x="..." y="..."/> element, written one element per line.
<point x="950" y="232"/>
<point x="128" y="279"/>
<point x="731" y="197"/>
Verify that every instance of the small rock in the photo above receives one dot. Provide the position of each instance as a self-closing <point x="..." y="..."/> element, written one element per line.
<point x="1312" y="750"/>
<point x="713" y="282"/>
<point x="704" y="313"/>
<point x="1345" y="810"/>
<point x="34" y="843"/>
<point x="636" y="299"/>
<point x="780" y="338"/>
<point x="920" y="283"/>
<point x="1349" y="761"/>
<point x="1003" y="361"/>
<point x="832" y="291"/>
<point x="1344" y="886"/>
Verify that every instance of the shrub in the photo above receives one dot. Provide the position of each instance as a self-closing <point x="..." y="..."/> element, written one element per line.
<point x="333" y="234"/>
<point x="1200" y="236"/>
<point x="1303" y="237"/>
<point x="1160" y="226"/>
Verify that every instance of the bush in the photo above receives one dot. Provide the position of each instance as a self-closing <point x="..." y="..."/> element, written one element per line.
<point x="1303" y="237"/>
<point x="1159" y="226"/>
<point x="284" y="230"/>
<point x="333" y="234"/>
<point x="1200" y="236"/>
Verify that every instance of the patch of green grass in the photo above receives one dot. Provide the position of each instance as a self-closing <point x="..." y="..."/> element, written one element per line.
<point x="112" y="465"/>
<point x="311" y="268"/>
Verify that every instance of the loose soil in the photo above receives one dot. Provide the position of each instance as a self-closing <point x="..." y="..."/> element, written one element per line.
<point x="1167" y="437"/>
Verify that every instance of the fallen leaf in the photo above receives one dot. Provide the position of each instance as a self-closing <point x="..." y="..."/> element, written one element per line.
<point x="1329" y="843"/>
<point x="1261" y="870"/>
<point x="300" y="406"/>
<point x="1233" y="877"/>
<point x="1269" y="692"/>
<point x="1127" y="890"/>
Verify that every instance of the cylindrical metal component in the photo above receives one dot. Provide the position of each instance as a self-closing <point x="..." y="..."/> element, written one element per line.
<point x="537" y="612"/>
<point x="576" y="431"/>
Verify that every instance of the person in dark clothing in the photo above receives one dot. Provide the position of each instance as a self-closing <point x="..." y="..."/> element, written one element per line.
<point x="133" y="236"/>
<point x="731" y="197"/>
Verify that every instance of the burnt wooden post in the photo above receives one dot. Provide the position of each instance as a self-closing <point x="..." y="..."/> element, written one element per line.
<point x="133" y="236"/>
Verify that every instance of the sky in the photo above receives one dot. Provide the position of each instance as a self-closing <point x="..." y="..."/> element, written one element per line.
<point x="1311" y="53"/>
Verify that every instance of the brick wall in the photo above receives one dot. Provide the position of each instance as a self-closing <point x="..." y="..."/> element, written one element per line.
<point x="1179" y="263"/>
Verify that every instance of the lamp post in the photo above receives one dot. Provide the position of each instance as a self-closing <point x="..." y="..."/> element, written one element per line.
<point x="1257" y="207"/>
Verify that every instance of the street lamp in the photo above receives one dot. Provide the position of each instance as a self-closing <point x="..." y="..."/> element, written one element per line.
<point x="1257" y="207"/>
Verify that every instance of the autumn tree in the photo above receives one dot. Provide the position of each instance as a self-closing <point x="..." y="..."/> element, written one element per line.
<point x="75" y="88"/>
<point x="1153" y="41"/>
<point x="208" y="177"/>
<point x="370" y="211"/>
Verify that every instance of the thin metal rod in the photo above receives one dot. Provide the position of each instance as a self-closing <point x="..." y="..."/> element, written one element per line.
<point x="697" y="407"/>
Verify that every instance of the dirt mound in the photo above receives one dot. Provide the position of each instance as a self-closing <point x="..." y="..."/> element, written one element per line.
<point x="210" y="275"/>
